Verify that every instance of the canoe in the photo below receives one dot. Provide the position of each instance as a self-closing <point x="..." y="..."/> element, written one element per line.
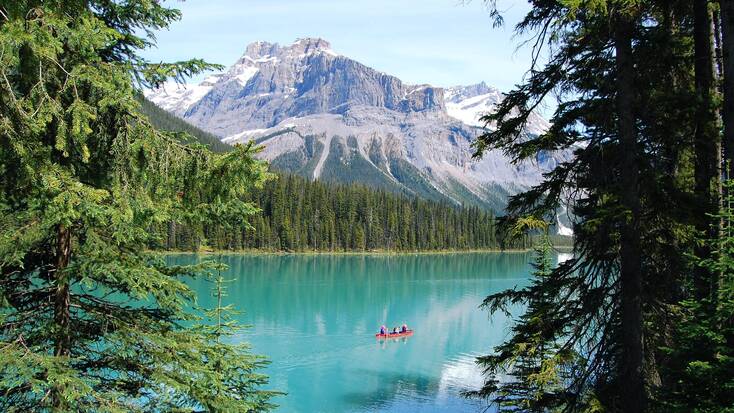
<point x="396" y="335"/>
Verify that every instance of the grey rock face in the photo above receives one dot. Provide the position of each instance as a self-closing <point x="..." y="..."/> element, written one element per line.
<point x="326" y="116"/>
<point x="270" y="83"/>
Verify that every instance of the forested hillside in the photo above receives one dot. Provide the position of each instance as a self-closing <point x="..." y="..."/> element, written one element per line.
<point x="303" y="215"/>
<point x="165" y="121"/>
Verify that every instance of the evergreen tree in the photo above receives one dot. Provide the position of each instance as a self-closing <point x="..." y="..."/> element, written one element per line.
<point x="622" y="71"/>
<point x="701" y="356"/>
<point x="535" y="366"/>
<point x="226" y="358"/>
<point x="89" y="320"/>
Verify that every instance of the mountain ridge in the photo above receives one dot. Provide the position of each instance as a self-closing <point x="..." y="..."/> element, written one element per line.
<point x="323" y="115"/>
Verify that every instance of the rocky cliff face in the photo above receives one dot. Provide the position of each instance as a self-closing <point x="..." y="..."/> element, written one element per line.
<point x="326" y="116"/>
<point x="270" y="83"/>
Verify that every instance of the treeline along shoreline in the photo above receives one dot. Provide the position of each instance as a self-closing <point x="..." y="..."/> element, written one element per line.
<point x="300" y="215"/>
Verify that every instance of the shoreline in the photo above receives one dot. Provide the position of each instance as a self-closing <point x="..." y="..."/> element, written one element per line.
<point x="211" y="252"/>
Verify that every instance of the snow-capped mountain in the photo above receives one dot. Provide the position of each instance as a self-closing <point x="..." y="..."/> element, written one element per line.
<point x="324" y="115"/>
<point x="469" y="103"/>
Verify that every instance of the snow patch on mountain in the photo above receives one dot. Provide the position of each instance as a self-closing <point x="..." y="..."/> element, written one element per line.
<point x="469" y="103"/>
<point x="471" y="110"/>
<point x="245" y="75"/>
<point x="175" y="97"/>
<point x="244" y="134"/>
<point x="562" y="229"/>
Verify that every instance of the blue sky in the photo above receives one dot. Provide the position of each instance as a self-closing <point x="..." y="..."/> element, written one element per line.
<point x="441" y="42"/>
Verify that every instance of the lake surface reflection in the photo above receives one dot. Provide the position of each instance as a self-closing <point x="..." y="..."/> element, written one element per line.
<point x="315" y="317"/>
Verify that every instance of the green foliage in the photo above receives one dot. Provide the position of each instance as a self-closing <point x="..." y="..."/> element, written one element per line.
<point x="303" y="215"/>
<point x="89" y="320"/>
<point x="227" y="359"/>
<point x="700" y="367"/>
<point x="534" y="360"/>
<point x="585" y="322"/>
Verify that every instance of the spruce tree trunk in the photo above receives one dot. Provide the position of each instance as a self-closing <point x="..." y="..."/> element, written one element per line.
<point x="631" y="379"/>
<point x="716" y="27"/>
<point x="727" y="47"/>
<point x="62" y="301"/>
<point x="171" y="235"/>
<point x="707" y="143"/>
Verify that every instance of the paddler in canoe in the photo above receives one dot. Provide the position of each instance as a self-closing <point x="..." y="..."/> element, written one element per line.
<point x="395" y="332"/>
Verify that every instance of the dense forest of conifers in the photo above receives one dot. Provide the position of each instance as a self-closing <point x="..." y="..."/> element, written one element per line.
<point x="302" y="215"/>
<point x="168" y="122"/>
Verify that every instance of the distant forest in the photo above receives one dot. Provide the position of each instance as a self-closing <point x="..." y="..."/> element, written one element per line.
<point x="303" y="215"/>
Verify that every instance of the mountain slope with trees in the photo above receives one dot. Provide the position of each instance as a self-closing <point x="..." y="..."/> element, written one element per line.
<point x="168" y="122"/>
<point x="298" y="214"/>
<point x="325" y="116"/>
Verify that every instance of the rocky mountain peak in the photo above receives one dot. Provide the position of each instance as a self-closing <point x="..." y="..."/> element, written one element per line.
<point x="270" y="83"/>
<point x="265" y="51"/>
<point x="309" y="45"/>
<point x="261" y="49"/>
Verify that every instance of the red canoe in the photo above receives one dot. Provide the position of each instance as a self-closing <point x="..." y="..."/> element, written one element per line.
<point x="396" y="335"/>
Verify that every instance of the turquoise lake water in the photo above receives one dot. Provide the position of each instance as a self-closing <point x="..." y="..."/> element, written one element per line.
<point x="315" y="317"/>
